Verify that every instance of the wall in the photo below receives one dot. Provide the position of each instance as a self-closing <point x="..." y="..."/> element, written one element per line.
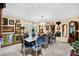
<point x="29" y="25"/>
<point x="65" y="21"/>
<point x="24" y="22"/>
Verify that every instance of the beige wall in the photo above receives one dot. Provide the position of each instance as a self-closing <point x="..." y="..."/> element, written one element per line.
<point x="65" y="21"/>
<point x="28" y="25"/>
<point x="24" y="22"/>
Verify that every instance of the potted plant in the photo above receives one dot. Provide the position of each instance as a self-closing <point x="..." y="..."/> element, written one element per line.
<point x="75" y="45"/>
<point x="33" y="32"/>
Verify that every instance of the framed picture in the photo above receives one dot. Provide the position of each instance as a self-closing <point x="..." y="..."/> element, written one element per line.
<point x="17" y="38"/>
<point x="8" y="29"/>
<point x="11" y="22"/>
<point x="5" y="21"/>
<point x="18" y="26"/>
<point x="58" y="28"/>
<point x="47" y="27"/>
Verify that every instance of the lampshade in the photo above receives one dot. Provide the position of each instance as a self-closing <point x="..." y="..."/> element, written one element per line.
<point x="58" y="23"/>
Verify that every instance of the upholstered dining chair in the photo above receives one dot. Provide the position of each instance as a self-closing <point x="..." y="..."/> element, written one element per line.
<point x="45" y="42"/>
<point x="24" y="46"/>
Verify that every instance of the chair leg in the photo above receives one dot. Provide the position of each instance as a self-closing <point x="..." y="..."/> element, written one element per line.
<point x="45" y="49"/>
<point x="22" y="47"/>
<point x="23" y="51"/>
<point x="41" y="54"/>
<point x="26" y="51"/>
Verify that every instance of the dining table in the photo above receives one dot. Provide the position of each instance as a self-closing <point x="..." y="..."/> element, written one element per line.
<point x="31" y="39"/>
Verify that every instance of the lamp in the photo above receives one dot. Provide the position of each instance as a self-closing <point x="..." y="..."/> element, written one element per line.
<point x="58" y="23"/>
<point x="42" y="20"/>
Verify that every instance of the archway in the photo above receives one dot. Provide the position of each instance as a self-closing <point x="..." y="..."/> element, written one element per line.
<point x="64" y="30"/>
<point x="73" y="34"/>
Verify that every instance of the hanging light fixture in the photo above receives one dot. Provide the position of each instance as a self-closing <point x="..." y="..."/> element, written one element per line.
<point x="42" y="21"/>
<point x="58" y="23"/>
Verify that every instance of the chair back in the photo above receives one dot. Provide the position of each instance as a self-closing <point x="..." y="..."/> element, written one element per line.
<point x="26" y="35"/>
<point x="33" y="34"/>
<point x="41" y="40"/>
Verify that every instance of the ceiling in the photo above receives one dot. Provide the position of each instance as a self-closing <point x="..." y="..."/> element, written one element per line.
<point x="34" y="11"/>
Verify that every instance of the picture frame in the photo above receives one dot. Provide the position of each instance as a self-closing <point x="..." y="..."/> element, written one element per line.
<point x="5" y="21"/>
<point x="11" y="22"/>
<point x="47" y="27"/>
<point x="8" y="29"/>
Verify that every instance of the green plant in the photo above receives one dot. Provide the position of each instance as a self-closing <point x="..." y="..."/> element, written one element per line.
<point x="33" y="29"/>
<point x="75" y="45"/>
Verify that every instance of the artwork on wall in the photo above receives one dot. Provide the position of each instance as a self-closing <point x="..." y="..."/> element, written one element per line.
<point x="0" y="40"/>
<point x="18" y="26"/>
<point x="47" y="27"/>
<point x="22" y="30"/>
<point x="10" y="38"/>
<point x="8" y="29"/>
<point x="5" y="21"/>
<point x="11" y="22"/>
<point x="7" y="39"/>
<point x="17" y="38"/>
<point x="58" y="28"/>
<point x="18" y="29"/>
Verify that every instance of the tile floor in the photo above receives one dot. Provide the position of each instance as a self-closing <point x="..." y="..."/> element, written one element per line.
<point x="59" y="48"/>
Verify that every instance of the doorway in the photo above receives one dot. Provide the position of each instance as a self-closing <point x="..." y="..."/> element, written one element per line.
<point x="64" y="30"/>
<point x="73" y="34"/>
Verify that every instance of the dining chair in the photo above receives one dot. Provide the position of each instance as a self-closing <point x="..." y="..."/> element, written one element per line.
<point x="36" y="50"/>
<point x="54" y="37"/>
<point x="25" y="47"/>
<point x="45" y="42"/>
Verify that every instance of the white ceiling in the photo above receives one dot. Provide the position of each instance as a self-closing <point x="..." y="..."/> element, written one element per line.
<point x="34" y="11"/>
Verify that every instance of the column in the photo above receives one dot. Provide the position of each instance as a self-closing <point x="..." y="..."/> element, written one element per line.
<point x="2" y="5"/>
